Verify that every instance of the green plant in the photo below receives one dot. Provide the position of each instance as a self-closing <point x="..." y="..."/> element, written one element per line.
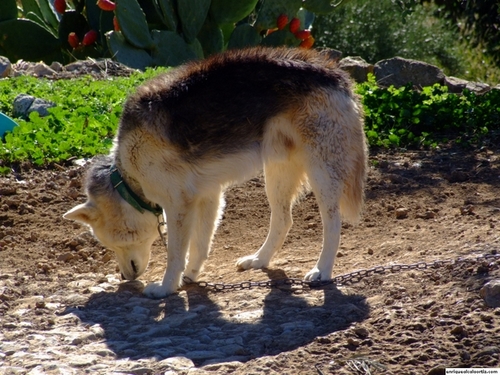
<point x="142" y="33"/>
<point x="404" y="117"/>
<point x="82" y="124"/>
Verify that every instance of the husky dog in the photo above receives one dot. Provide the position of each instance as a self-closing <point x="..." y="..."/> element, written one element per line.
<point x="187" y="135"/>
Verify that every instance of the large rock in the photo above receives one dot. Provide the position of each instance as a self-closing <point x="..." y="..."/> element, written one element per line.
<point x="399" y="71"/>
<point x="331" y="53"/>
<point x="491" y="293"/>
<point x="478" y="87"/>
<point x="455" y="85"/>
<point x="356" y="67"/>
<point x="25" y="104"/>
<point x="5" y="67"/>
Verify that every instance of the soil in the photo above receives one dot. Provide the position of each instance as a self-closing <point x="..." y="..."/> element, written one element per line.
<point x="421" y="206"/>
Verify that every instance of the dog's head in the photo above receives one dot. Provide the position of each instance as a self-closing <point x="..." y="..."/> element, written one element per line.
<point x="115" y="223"/>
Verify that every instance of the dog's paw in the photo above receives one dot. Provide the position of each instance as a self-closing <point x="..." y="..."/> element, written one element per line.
<point x="156" y="290"/>
<point x="251" y="261"/>
<point x="316" y="275"/>
<point x="191" y="275"/>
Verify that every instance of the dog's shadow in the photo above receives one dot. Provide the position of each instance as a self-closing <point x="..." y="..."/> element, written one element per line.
<point x="209" y="327"/>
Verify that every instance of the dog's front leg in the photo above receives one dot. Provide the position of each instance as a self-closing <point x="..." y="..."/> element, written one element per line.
<point x="179" y="222"/>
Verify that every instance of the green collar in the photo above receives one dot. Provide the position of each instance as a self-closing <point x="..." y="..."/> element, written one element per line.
<point x="132" y="198"/>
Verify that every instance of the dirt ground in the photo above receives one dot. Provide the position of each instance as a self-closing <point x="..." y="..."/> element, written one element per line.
<point x="420" y="206"/>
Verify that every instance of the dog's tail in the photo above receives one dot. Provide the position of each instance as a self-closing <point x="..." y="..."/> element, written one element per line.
<point x="351" y="202"/>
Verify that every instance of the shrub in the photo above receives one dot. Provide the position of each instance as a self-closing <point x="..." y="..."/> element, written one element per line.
<point x="377" y="32"/>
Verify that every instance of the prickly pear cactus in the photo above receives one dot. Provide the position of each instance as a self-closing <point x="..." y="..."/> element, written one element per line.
<point x="244" y="35"/>
<point x="167" y="12"/>
<point x="127" y="54"/>
<point x="211" y="37"/>
<point x="231" y="11"/>
<point x="171" y="49"/>
<point x="142" y="33"/>
<point x="133" y="24"/>
<point x="192" y="14"/>
<point x="272" y="9"/>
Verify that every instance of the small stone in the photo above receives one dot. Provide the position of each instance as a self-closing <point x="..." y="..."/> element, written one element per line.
<point x="66" y="257"/>
<point x="487" y="351"/>
<point x="490" y="292"/>
<point x="459" y="331"/>
<point x="370" y="251"/>
<point x="361" y="332"/>
<point x="438" y="370"/>
<point x="353" y="342"/>
<point x="56" y="66"/>
<point x="8" y="190"/>
<point x="402" y="213"/>
<point x="176" y="363"/>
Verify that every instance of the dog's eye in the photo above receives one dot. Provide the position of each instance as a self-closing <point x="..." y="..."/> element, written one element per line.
<point x="134" y="268"/>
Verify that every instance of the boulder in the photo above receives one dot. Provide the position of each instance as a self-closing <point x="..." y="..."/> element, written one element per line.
<point x="25" y="104"/>
<point x="478" y="87"/>
<point x="455" y="85"/>
<point x="5" y="67"/>
<point x="398" y="71"/>
<point x="356" y="67"/>
<point x="490" y="292"/>
<point x="41" y="70"/>
<point x="331" y="53"/>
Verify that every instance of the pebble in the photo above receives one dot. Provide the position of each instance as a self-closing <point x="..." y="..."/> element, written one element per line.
<point x="111" y="329"/>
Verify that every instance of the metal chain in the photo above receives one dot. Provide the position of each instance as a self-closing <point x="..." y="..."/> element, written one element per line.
<point x="345" y="279"/>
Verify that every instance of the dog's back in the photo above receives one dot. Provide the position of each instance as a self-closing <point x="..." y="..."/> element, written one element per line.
<point x="221" y="105"/>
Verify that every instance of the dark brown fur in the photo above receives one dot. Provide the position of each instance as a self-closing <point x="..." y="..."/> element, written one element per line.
<point x="238" y="89"/>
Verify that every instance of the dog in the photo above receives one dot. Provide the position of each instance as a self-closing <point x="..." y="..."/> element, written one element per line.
<point x="188" y="134"/>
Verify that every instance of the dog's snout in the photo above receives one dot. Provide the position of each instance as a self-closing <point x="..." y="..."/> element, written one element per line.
<point x="134" y="267"/>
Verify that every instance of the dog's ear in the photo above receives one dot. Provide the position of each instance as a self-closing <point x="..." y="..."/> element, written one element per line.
<point x="84" y="213"/>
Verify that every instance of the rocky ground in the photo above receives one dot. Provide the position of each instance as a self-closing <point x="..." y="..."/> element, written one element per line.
<point x="63" y="309"/>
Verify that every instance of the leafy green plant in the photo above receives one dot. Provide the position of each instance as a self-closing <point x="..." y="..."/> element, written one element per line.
<point x="143" y="33"/>
<point x="82" y="124"/>
<point x="404" y="117"/>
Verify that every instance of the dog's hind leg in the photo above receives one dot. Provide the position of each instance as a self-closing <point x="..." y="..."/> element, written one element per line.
<point x="327" y="188"/>
<point x="208" y="212"/>
<point x="283" y="181"/>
